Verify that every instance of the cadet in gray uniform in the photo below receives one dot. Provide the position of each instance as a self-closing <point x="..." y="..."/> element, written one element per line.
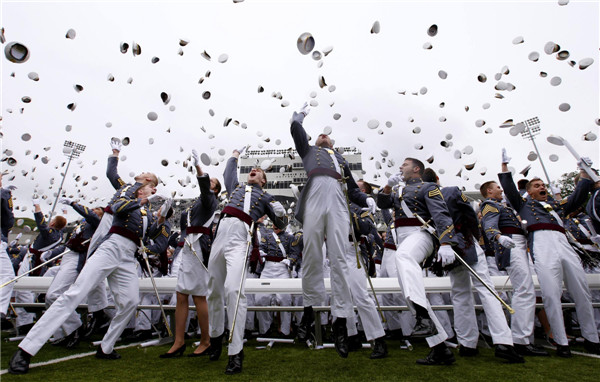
<point x="192" y="278"/>
<point x="415" y="245"/>
<point x="97" y="299"/>
<point x="465" y="320"/>
<point x="553" y="256"/>
<point x="503" y="229"/>
<point x="71" y="264"/>
<point x="50" y="236"/>
<point x="279" y="256"/>
<point x="323" y="210"/>
<point x="7" y="272"/>
<point x="114" y="260"/>
<point x="226" y="265"/>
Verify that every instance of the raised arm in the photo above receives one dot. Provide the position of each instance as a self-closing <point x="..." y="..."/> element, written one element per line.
<point x="579" y="195"/>
<point x="230" y="173"/>
<point x="510" y="190"/>
<point x="89" y="215"/>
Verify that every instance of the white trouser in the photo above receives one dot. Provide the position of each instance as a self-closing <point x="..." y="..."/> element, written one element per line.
<point x="465" y="320"/>
<point x="251" y="301"/>
<point x="23" y="317"/>
<point x="395" y="320"/>
<point x="97" y="298"/>
<point x="7" y="273"/>
<point x="357" y="279"/>
<point x="326" y="215"/>
<point x="225" y="267"/>
<point x="66" y="276"/>
<point x="523" y="297"/>
<point x="555" y="260"/>
<point x="414" y="246"/>
<point x="438" y="299"/>
<point x="274" y="270"/>
<point x="114" y="260"/>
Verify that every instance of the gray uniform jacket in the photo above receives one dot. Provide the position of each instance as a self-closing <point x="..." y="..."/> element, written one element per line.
<point x="426" y="200"/>
<point x="270" y="246"/>
<point x="124" y="190"/>
<point x="536" y="215"/>
<point x="317" y="161"/>
<point x="260" y="203"/>
<point x="458" y="206"/>
<point x="7" y="217"/>
<point x="499" y="218"/>
<point x="592" y="209"/>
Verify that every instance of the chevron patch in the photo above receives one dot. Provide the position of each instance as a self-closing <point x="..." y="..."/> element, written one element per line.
<point x="489" y="208"/>
<point x="436" y="192"/>
<point x="464" y="197"/>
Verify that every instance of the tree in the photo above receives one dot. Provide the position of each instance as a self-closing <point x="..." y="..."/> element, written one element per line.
<point x="567" y="183"/>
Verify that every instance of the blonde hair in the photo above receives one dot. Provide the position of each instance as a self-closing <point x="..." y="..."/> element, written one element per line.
<point x="148" y="178"/>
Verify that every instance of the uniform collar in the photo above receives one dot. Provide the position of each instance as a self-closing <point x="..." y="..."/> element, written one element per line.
<point x="414" y="181"/>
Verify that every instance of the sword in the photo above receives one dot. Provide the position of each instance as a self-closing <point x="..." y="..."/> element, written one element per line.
<point x="492" y="291"/>
<point x="143" y="249"/>
<point x="38" y="267"/>
<point x="237" y="303"/>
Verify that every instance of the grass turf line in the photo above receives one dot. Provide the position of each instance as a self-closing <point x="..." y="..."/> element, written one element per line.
<point x="296" y="363"/>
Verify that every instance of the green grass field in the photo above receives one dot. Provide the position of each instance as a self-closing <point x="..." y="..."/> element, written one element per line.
<point x="294" y="362"/>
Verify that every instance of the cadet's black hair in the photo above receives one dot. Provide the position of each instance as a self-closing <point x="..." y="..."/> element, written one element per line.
<point x="429" y="175"/>
<point x="522" y="184"/>
<point x="417" y="163"/>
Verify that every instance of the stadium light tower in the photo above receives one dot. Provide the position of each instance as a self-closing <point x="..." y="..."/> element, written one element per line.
<point x="531" y="128"/>
<point x="71" y="150"/>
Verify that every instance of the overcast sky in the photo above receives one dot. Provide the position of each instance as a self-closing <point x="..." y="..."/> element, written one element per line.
<point x="368" y="72"/>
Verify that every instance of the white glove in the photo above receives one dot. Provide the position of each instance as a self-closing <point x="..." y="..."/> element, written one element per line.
<point x="278" y="209"/>
<point x="506" y="242"/>
<point x="45" y="256"/>
<point x="262" y="253"/>
<point x="164" y="210"/>
<point x="241" y="150"/>
<point x="156" y="198"/>
<point x="19" y="236"/>
<point x="195" y="158"/>
<point x="595" y="239"/>
<point x="505" y="158"/>
<point x="395" y="179"/>
<point x="585" y="160"/>
<point x="555" y="189"/>
<point x="35" y="199"/>
<point x="446" y="255"/>
<point x="65" y="201"/>
<point x="11" y="188"/>
<point x="286" y="262"/>
<point x="372" y="206"/>
<point x="115" y="144"/>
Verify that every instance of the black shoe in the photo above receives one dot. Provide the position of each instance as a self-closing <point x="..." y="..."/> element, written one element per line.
<point x="465" y="351"/>
<point x="19" y="363"/>
<point x="531" y="350"/>
<point x="305" y="327"/>
<point x="5" y="323"/>
<point x="379" y="349"/>
<point x="340" y="337"/>
<point x="354" y="343"/>
<point x="438" y="356"/>
<point x="110" y="356"/>
<point x="424" y="328"/>
<point x="74" y="339"/>
<point x="234" y="366"/>
<point x="563" y="351"/>
<point x="177" y="353"/>
<point x="216" y="344"/>
<point x="395" y="334"/>
<point x="591" y="347"/>
<point x="60" y="342"/>
<point x="98" y="324"/>
<point x="508" y="353"/>
<point x="207" y="351"/>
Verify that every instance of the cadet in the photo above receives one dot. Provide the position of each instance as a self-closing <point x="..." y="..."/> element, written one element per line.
<point x="226" y="265"/>
<point x="552" y="254"/>
<point x="503" y="229"/>
<point x="7" y="272"/>
<point x="416" y="245"/>
<point x="114" y="259"/>
<point x="323" y="210"/>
